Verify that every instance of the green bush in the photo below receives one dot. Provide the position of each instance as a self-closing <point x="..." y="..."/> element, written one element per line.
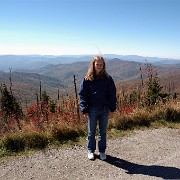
<point x="137" y="119"/>
<point x="18" y="142"/>
<point x="65" y="134"/>
<point x="36" y="141"/>
<point x="172" y="115"/>
<point x="122" y="123"/>
<point x="14" y="143"/>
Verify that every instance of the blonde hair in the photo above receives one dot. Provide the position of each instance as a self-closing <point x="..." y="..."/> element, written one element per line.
<point x="91" y="74"/>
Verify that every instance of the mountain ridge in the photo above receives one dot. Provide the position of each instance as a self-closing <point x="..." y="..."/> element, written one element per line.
<point x="25" y="84"/>
<point x="31" y="62"/>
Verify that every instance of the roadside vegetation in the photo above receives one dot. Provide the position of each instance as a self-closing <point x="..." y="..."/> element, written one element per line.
<point x="56" y="123"/>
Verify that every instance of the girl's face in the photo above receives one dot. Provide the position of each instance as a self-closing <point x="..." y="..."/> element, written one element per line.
<point x="98" y="65"/>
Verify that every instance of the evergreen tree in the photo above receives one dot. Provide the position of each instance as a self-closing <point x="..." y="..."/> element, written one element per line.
<point x="9" y="105"/>
<point x="52" y="107"/>
<point x="45" y="98"/>
<point x="153" y="91"/>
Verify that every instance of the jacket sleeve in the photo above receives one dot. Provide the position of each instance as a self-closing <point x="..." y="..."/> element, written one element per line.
<point x="112" y="95"/>
<point x="84" y="96"/>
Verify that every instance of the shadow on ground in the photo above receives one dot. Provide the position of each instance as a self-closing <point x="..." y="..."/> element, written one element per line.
<point x="164" y="172"/>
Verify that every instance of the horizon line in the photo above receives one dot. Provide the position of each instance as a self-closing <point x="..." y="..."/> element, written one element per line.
<point x="88" y="55"/>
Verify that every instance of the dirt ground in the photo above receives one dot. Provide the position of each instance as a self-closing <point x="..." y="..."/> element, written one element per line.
<point x="148" y="154"/>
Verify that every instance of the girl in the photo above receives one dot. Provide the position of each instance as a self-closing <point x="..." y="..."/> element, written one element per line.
<point x="97" y="98"/>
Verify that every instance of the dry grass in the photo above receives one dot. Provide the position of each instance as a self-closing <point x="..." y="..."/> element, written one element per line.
<point x="145" y="117"/>
<point x="66" y="128"/>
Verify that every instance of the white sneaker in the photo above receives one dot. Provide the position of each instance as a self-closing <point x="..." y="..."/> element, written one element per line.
<point x="91" y="156"/>
<point x="102" y="156"/>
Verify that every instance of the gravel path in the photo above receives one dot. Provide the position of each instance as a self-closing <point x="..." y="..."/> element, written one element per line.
<point x="149" y="154"/>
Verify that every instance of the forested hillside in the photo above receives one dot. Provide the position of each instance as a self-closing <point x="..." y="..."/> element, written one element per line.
<point x="60" y="77"/>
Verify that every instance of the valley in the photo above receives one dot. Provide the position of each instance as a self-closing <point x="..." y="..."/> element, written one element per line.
<point x="59" y="77"/>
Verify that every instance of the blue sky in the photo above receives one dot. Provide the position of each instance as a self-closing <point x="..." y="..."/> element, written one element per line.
<point x="59" y="27"/>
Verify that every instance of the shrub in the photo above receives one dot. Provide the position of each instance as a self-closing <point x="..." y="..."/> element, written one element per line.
<point x="65" y="134"/>
<point x="142" y="118"/>
<point x="172" y="115"/>
<point x="36" y="140"/>
<point x="18" y="142"/>
<point x="135" y="119"/>
<point x="14" y="143"/>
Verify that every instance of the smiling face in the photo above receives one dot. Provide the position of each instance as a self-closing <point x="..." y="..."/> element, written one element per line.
<point x="98" y="65"/>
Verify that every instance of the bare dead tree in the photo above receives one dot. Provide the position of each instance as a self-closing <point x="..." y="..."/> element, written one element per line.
<point x="10" y="80"/>
<point x="141" y="77"/>
<point x="58" y="95"/>
<point x="77" y="105"/>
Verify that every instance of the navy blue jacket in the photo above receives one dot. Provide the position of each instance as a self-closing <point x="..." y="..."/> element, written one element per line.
<point x="97" y="93"/>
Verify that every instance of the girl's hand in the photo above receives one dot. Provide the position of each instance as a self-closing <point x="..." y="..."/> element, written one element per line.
<point x="86" y="115"/>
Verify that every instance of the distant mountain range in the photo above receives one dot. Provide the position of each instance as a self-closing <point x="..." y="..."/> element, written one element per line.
<point x="31" y="62"/>
<point x="26" y="82"/>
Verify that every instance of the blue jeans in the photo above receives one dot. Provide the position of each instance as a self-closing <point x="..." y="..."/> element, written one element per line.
<point x="97" y="114"/>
